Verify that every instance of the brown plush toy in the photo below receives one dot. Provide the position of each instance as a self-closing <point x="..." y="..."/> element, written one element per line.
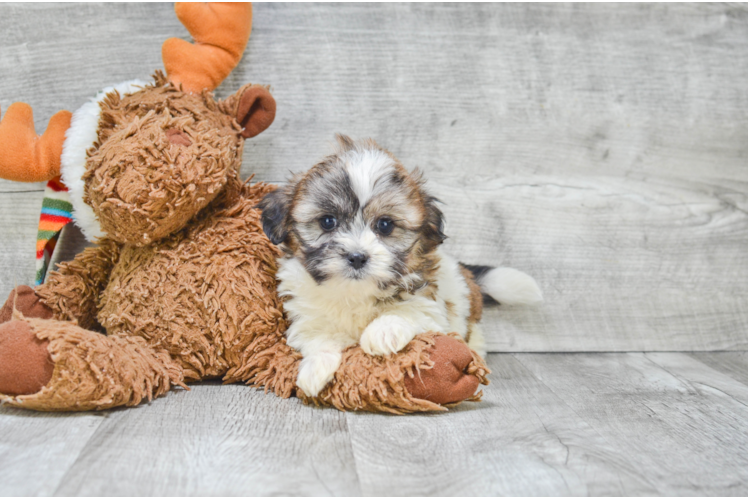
<point x="181" y="284"/>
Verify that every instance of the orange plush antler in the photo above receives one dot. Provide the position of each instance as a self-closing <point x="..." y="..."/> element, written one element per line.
<point x="25" y="156"/>
<point x="220" y="30"/>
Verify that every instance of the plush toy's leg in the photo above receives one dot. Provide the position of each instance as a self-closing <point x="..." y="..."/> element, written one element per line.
<point x="25" y="301"/>
<point x="53" y="365"/>
<point x="431" y="372"/>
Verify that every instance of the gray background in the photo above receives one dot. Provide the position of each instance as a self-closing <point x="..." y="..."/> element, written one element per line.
<point x="601" y="148"/>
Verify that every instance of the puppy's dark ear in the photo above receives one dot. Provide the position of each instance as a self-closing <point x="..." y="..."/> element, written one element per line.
<point x="275" y="208"/>
<point x="433" y="221"/>
<point x="433" y="225"/>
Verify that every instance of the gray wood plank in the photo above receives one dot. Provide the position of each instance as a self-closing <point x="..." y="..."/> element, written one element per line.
<point x="734" y="364"/>
<point x="37" y="449"/>
<point x="634" y="264"/>
<point x="518" y="88"/>
<point x="601" y="148"/>
<point x="700" y="376"/>
<point x="615" y="285"/>
<point x="18" y="226"/>
<point x="612" y="282"/>
<point x="683" y="437"/>
<point x="550" y="424"/>
<point x="455" y="88"/>
<point x="219" y="441"/>
<point x="14" y="187"/>
<point x="521" y="440"/>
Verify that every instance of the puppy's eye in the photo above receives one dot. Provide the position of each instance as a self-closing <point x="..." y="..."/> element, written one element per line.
<point x="328" y="222"/>
<point x="385" y="226"/>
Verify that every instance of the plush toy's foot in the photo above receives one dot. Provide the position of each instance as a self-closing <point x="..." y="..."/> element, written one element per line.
<point x="25" y="364"/>
<point x="448" y="381"/>
<point x="53" y="365"/>
<point x="27" y="302"/>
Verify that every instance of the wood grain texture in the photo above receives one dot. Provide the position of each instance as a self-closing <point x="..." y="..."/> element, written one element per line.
<point x="733" y="364"/>
<point x="549" y="424"/>
<point x="601" y="148"/>
<point x="219" y="441"/>
<point x="16" y="187"/>
<point x="569" y="424"/>
<point x="520" y="89"/>
<point x="700" y="376"/>
<point x="683" y="436"/>
<point x="521" y="440"/>
<point x="625" y="264"/>
<point x="18" y="227"/>
<point x="37" y="449"/>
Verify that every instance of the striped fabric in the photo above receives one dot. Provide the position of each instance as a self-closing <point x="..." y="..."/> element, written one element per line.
<point x="56" y="213"/>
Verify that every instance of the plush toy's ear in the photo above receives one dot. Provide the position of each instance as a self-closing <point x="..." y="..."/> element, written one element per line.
<point x="275" y="207"/>
<point x="254" y="109"/>
<point x="433" y="224"/>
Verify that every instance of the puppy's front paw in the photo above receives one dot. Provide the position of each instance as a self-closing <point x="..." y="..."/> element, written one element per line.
<point x="387" y="334"/>
<point x="316" y="371"/>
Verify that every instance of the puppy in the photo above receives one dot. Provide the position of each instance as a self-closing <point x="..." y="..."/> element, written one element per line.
<point x="362" y="262"/>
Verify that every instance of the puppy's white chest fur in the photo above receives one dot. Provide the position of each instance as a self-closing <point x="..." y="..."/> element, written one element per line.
<point x="337" y="309"/>
<point x="343" y="312"/>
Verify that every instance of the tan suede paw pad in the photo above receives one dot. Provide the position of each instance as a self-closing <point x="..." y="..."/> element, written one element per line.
<point x="25" y="364"/>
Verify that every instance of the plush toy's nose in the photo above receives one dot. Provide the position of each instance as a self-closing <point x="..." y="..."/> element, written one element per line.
<point x="357" y="260"/>
<point x="178" y="137"/>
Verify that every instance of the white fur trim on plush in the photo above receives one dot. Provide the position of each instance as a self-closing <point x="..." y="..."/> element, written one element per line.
<point x="79" y="138"/>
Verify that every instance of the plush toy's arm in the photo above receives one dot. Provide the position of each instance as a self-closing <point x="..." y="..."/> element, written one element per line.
<point x="431" y="373"/>
<point x="73" y="291"/>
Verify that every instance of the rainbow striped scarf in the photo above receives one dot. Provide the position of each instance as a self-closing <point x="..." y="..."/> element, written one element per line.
<point x="56" y="213"/>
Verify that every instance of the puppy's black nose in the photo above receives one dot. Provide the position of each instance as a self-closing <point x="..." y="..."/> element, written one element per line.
<point x="357" y="260"/>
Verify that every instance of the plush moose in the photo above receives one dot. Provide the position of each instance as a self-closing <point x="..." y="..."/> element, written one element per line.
<point x="181" y="284"/>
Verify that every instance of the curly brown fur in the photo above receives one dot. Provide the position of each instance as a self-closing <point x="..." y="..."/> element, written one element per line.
<point x="94" y="372"/>
<point x="203" y="294"/>
<point x="142" y="184"/>
<point x="74" y="290"/>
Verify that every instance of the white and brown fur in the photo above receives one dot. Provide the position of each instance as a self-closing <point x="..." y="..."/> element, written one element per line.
<point x="406" y="284"/>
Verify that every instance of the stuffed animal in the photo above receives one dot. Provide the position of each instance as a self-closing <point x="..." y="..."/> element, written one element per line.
<point x="181" y="284"/>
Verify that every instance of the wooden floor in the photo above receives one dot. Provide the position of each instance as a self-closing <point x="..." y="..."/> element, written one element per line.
<point x="600" y="148"/>
<point x="550" y="424"/>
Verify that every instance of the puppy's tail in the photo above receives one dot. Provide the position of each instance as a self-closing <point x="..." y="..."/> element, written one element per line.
<point x="506" y="285"/>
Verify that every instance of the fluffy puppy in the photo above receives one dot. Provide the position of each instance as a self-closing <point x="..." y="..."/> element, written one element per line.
<point x="362" y="262"/>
